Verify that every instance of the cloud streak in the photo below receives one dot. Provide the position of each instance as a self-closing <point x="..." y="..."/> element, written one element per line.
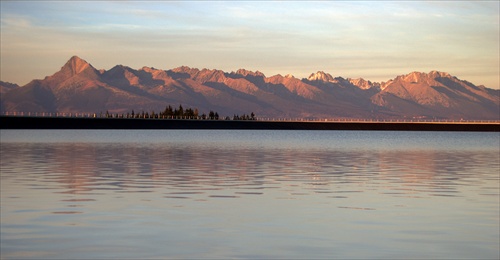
<point x="379" y="40"/>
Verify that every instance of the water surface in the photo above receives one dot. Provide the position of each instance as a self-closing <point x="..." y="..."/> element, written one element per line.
<point x="249" y="194"/>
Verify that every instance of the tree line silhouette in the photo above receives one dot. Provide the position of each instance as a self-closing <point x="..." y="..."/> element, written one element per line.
<point x="177" y="113"/>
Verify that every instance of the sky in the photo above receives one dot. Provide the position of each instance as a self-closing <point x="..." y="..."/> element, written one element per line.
<point x="375" y="40"/>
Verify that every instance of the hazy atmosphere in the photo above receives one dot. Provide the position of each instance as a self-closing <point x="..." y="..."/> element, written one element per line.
<point x="375" y="40"/>
<point x="249" y="129"/>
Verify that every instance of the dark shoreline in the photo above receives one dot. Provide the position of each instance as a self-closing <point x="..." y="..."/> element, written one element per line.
<point x="14" y="122"/>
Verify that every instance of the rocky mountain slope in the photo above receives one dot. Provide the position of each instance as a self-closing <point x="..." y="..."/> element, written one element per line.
<point x="80" y="88"/>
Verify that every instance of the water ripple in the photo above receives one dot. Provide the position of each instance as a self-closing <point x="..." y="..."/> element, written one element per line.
<point x="185" y="196"/>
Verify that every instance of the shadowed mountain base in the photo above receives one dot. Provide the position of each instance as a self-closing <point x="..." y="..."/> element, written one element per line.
<point x="80" y="88"/>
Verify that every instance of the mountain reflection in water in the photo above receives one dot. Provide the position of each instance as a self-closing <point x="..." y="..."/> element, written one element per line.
<point x="230" y="199"/>
<point x="83" y="168"/>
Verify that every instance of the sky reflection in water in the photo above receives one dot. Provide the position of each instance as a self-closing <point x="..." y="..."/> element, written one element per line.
<point x="249" y="194"/>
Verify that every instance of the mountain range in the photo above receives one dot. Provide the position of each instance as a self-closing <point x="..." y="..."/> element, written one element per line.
<point x="80" y="88"/>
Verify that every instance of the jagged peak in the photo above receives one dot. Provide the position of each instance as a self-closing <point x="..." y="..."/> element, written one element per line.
<point x="358" y="80"/>
<point x="75" y="58"/>
<point x="8" y="84"/>
<point x="121" y="70"/>
<point x="287" y="76"/>
<point x="320" y="75"/>
<point x="205" y="70"/>
<point x="245" y="73"/>
<point x="363" y="83"/>
<point x="185" y="69"/>
<point x="385" y="84"/>
<point x="120" y="67"/>
<point x="206" y="74"/>
<point x="150" y="69"/>
<point x="417" y="75"/>
<point x="155" y="73"/>
<point x="440" y="74"/>
<point x="76" y="65"/>
<point x="339" y="79"/>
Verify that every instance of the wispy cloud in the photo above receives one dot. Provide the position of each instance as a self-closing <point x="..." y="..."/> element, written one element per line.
<point x="349" y="38"/>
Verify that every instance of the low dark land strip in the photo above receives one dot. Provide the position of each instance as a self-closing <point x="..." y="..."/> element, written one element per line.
<point x="13" y="122"/>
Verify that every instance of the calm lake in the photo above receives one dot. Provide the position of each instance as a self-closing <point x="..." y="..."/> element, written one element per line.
<point x="118" y="194"/>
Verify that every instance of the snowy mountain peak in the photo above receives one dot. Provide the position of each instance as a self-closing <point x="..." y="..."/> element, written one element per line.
<point x="321" y="76"/>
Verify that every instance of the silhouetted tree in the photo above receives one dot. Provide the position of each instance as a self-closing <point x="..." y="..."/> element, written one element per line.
<point x="244" y="117"/>
<point x="168" y="112"/>
<point x="181" y="111"/>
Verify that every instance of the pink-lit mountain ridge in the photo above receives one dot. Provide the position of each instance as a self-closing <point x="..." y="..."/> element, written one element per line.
<point x="80" y="88"/>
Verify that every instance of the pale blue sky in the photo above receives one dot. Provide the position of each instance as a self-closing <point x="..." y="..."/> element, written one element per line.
<point x="371" y="39"/>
